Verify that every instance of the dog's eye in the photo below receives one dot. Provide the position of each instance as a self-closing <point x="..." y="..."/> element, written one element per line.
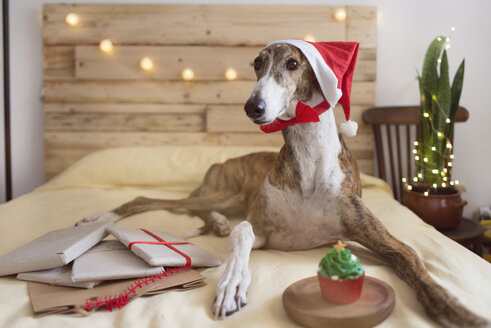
<point x="291" y="65"/>
<point x="257" y="64"/>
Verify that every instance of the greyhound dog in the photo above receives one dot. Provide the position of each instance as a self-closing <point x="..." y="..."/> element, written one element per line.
<point x="305" y="196"/>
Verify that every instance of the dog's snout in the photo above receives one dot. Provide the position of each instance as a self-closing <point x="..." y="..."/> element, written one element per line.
<point x="255" y="108"/>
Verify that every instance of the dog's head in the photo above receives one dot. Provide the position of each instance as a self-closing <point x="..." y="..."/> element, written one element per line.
<point x="283" y="75"/>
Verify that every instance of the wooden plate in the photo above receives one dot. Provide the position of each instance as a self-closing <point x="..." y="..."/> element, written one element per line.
<point x="305" y="305"/>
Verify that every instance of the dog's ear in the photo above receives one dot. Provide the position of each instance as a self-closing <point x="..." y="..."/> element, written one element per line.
<point x="307" y="84"/>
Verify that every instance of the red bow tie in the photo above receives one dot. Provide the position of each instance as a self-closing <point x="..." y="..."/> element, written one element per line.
<point x="303" y="114"/>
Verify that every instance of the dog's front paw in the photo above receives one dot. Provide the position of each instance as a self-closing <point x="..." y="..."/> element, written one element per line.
<point x="232" y="289"/>
<point x="99" y="217"/>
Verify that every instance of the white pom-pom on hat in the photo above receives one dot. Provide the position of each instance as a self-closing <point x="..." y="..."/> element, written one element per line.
<point x="349" y="128"/>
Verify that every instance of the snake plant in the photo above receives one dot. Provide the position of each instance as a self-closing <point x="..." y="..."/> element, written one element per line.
<point x="439" y="104"/>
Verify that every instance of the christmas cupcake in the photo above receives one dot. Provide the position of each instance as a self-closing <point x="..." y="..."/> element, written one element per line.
<point x="340" y="275"/>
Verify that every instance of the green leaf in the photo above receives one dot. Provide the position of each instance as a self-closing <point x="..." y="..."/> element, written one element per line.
<point x="443" y="95"/>
<point x="429" y="76"/>
<point x="458" y="82"/>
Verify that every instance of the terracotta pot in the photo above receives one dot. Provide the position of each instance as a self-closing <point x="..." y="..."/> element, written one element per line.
<point x="341" y="291"/>
<point x="441" y="211"/>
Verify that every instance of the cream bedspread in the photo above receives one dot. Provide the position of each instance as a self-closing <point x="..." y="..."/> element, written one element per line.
<point x="106" y="179"/>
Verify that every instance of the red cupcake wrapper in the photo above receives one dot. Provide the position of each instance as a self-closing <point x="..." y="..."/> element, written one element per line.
<point x="341" y="291"/>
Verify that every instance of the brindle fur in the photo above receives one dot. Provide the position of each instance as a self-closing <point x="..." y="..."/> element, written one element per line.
<point x="234" y="189"/>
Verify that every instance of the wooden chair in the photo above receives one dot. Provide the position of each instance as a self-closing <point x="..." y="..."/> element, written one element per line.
<point x="395" y="131"/>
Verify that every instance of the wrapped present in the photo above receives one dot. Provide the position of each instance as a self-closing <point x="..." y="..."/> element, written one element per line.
<point x="53" y="249"/>
<point x="162" y="248"/>
<point x="48" y="299"/>
<point x="110" y="260"/>
<point x="61" y="276"/>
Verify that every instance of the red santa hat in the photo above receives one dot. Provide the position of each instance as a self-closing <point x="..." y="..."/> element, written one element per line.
<point x="333" y="64"/>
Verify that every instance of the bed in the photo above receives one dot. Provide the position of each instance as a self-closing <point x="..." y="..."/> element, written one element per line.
<point x="107" y="178"/>
<point x="114" y="132"/>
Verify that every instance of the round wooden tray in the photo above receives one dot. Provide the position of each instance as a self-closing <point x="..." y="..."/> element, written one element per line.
<point x="304" y="303"/>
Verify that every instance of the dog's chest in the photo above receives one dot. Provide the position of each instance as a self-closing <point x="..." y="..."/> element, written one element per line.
<point x="301" y="223"/>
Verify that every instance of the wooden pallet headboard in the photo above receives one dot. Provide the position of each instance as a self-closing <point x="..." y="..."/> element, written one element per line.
<point x="94" y="100"/>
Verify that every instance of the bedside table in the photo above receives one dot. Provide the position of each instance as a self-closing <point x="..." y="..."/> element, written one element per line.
<point x="467" y="233"/>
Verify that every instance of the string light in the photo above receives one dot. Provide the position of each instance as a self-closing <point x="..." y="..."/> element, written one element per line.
<point x="187" y="74"/>
<point x="450" y="164"/>
<point x="72" y="19"/>
<point x="435" y="185"/>
<point x="230" y="74"/>
<point x="425" y="114"/>
<point x="456" y="181"/>
<point x="426" y="193"/>
<point x="434" y="171"/>
<point x="449" y="145"/>
<point x="420" y="175"/>
<point x="433" y="148"/>
<point x="309" y="38"/>
<point x="415" y="143"/>
<point x="404" y="180"/>
<point x="425" y="160"/>
<point x="452" y="183"/>
<point x="415" y="179"/>
<point x="146" y="64"/>
<point x="415" y="151"/>
<point x="447" y="120"/>
<point x="452" y="28"/>
<point x="409" y="187"/>
<point x="444" y="184"/>
<point x="340" y="14"/>
<point x="452" y="156"/>
<point x="106" y="46"/>
<point x="439" y="134"/>
<point x="416" y="158"/>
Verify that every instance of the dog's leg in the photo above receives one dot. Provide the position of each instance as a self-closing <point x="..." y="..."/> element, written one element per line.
<point x="214" y="221"/>
<point x="215" y="202"/>
<point x="362" y="226"/>
<point x="232" y="288"/>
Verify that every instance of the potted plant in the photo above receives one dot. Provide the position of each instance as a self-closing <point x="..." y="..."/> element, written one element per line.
<point x="432" y="194"/>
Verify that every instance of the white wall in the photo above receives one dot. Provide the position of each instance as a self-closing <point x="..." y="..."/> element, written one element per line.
<point x="405" y="30"/>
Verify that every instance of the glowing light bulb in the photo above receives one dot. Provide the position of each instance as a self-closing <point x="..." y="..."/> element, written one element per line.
<point x="434" y="171"/>
<point x="445" y="179"/>
<point x="439" y="134"/>
<point x="425" y="160"/>
<point x="187" y="74"/>
<point x="452" y="156"/>
<point x="414" y="151"/>
<point x="426" y="193"/>
<point x="309" y="38"/>
<point x="450" y="164"/>
<point x="415" y="143"/>
<point x="439" y="39"/>
<point x="404" y="180"/>
<point x="452" y="28"/>
<point x="445" y="170"/>
<point x="106" y="46"/>
<point x="433" y="148"/>
<point x="146" y="64"/>
<point x="230" y="74"/>
<point x="416" y="158"/>
<point x="340" y="14"/>
<point x="420" y="175"/>
<point x="435" y="185"/>
<point x="439" y="60"/>
<point x="415" y="179"/>
<point x="447" y="120"/>
<point x="433" y="97"/>
<point x="456" y="181"/>
<point x="409" y="187"/>
<point x="426" y="114"/>
<point x="72" y="19"/>
<point x="452" y="183"/>
<point x="447" y="46"/>
<point x="449" y="145"/>
<point x="444" y="184"/>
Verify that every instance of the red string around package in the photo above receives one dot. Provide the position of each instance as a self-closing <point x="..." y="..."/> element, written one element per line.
<point x="110" y="302"/>
<point x="163" y="242"/>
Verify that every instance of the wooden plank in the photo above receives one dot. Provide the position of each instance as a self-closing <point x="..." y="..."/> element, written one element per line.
<point x="189" y="24"/>
<point x="230" y="92"/>
<point x="233" y="119"/>
<point x="124" y="122"/>
<point x="208" y="63"/>
<point x="74" y="108"/>
<point x="361" y="25"/>
<point x="58" y="63"/>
